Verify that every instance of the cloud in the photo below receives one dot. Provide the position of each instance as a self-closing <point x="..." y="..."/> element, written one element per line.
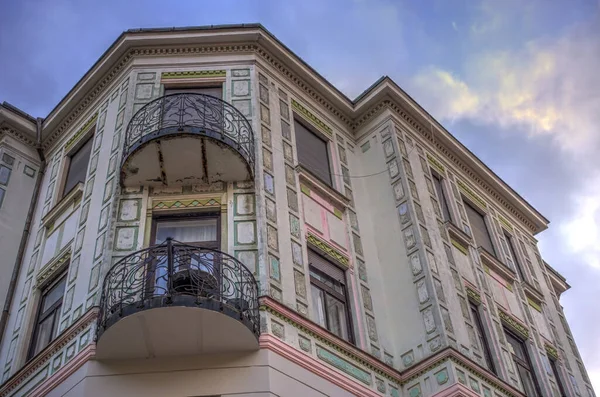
<point x="545" y="87"/>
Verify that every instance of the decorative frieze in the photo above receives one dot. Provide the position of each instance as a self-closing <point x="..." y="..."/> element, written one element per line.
<point x="312" y="118"/>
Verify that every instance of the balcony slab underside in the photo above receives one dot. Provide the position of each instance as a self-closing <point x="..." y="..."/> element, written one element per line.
<point x="183" y="158"/>
<point x="176" y="330"/>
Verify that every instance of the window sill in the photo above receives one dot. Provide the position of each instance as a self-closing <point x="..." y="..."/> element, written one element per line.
<point x="532" y="292"/>
<point x="457" y="234"/>
<point x="336" y="198"/>
<point x="72" y="197"/>
<point x="498" y="267"/>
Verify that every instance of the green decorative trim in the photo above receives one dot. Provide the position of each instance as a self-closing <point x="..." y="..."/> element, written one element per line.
<point x="85" y="128"/>
<point x="312" y="118"/>
<point x="460" y="247"/>
<point x="333" y="346"/>
<point x="474" y="295"/>
<point x="328" y="250"/>
<point x="495" y="382"/>
<point x="436" y="164"/>
<point x="305" y="189"/>
<point x="337" y="213"/>
<point x="193" y="74"/>
<point x="514" y="325"/>
<point x="534" y="304"/>
<point x="505" y="222"/>
<point x="344" y="365"/>
<point x="190" y="203"/>
<point x="467" y="190"/>
<point x="551" y="351"/>
<point x="487" y="269"/>
<point x="50" y="268"/>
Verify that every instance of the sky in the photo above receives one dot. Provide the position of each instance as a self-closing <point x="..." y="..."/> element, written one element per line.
<point x="516" y="81"/>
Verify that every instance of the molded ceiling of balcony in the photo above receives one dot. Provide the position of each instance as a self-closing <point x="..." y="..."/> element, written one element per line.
<point x="183" y="160"/>
<point x="174" y="331"/>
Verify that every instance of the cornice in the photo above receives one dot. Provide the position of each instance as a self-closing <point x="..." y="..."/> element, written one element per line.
<point x="342" y="108"/>
<point x="19" y="136"/>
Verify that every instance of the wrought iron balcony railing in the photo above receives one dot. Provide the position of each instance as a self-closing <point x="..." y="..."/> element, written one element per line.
<point x="177" y="274"/>
<point x="195" y="114"/>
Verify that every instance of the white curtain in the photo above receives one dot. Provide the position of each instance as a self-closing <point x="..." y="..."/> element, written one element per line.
<point x="187" y="231"/>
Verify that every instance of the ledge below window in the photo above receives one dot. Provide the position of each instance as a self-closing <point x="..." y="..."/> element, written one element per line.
<point x="498" y="267"/>
<point x="73" y="197"/>
<point x="336" y="198"/>
<point x="457" y="234"/>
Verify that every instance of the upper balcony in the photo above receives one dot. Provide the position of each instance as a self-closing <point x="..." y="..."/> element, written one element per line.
<point x="187" y="139"/>
<point x="177" y="299"/>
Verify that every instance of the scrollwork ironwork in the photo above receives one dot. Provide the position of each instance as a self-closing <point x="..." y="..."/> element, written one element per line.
<point x="160" y="275"/>
<point x="192" y="113"/>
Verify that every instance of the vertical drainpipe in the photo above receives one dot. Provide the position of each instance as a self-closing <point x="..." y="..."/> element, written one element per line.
<point x="25" y="237"/>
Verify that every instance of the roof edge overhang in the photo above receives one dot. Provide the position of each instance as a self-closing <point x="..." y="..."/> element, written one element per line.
<point x="18" y="119"/>
<point x="350" y="110"/>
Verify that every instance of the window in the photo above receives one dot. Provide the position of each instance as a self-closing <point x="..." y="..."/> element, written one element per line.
<point x="557" y="378"/>
<point x="482" y="338"/>
<point x="5" y="170"/>
<point x="437" y="182"/>
<point x="216" y="91"/>
<point x="513" y="254"/>
<point x="312" y="152"/>
<point x="479" y="229"/>
<point x="522" y="364"/>
<point x="46" y="325"/>
<point x="190" y="274"/>
<point x="328" y="293"/>
<point x="78" y="164"/>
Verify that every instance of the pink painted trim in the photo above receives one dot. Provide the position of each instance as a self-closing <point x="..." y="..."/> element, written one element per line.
<point x="456" y="390"/>
<point x="56" y="379"/>
<point x="309" y="363"/>
<point x="325" y="224"/>
<point x="401" y="377"/>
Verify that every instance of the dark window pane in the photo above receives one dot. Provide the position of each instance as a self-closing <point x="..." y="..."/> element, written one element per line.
<point x="482" y="338"/>
<point x="2" y="192"/>
<point x="557" y="378"/>
<point x="53" y="295"/>
<point x="4" y="174"/>
<point x="527" y="381"/>
<point x="479" y="229"/>
<point x="338" y="320"/>
<point x="437" y="182"/>
<point x="312" y="153"/>
<point x="43" y="334"/>
<point x="78" y="166"/>
<point x="318" y="301"/>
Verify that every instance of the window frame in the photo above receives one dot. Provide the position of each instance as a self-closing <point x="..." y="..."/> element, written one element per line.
<point x="438" y="180"/>
<point x="523" y="363"/>
<point x="328" y="149"/>
<point x="88" y="138"/>
<point x="344" y="297"/>
<point x="557" y="377"/>
<point x="468" y="204"/>
<point x="170" y="217"/>
<point x="54" y="310"/>
<point x="482" y="336"/>
<point x="513" y="253"/>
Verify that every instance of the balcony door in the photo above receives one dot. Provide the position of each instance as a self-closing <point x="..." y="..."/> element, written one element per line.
<point x="185" y="269"/>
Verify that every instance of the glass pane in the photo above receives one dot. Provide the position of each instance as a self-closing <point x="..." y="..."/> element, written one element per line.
<point x="187" y="231"/>
<point x="328" y="281"/>
<point x="214" y="91"/>
<point x="43" y="335"/>
<point x="4" y="174"/>
<point x="1" y="195"/>
<point x="318" y="303"/>
<point x="78" y="166"/>
<point x="336" y="312"/>
<point x="54" y="295"/>
<point x="527" y="380"/>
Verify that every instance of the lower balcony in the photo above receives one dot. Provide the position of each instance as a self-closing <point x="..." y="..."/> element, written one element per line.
<point x="187" y="139"/>
<point x="176" y="299"/>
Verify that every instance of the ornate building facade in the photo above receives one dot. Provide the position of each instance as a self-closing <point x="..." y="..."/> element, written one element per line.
<point x="210" y="217"/>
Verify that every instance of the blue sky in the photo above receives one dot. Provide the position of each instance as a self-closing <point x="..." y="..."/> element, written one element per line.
<point x="516" y="81"/>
